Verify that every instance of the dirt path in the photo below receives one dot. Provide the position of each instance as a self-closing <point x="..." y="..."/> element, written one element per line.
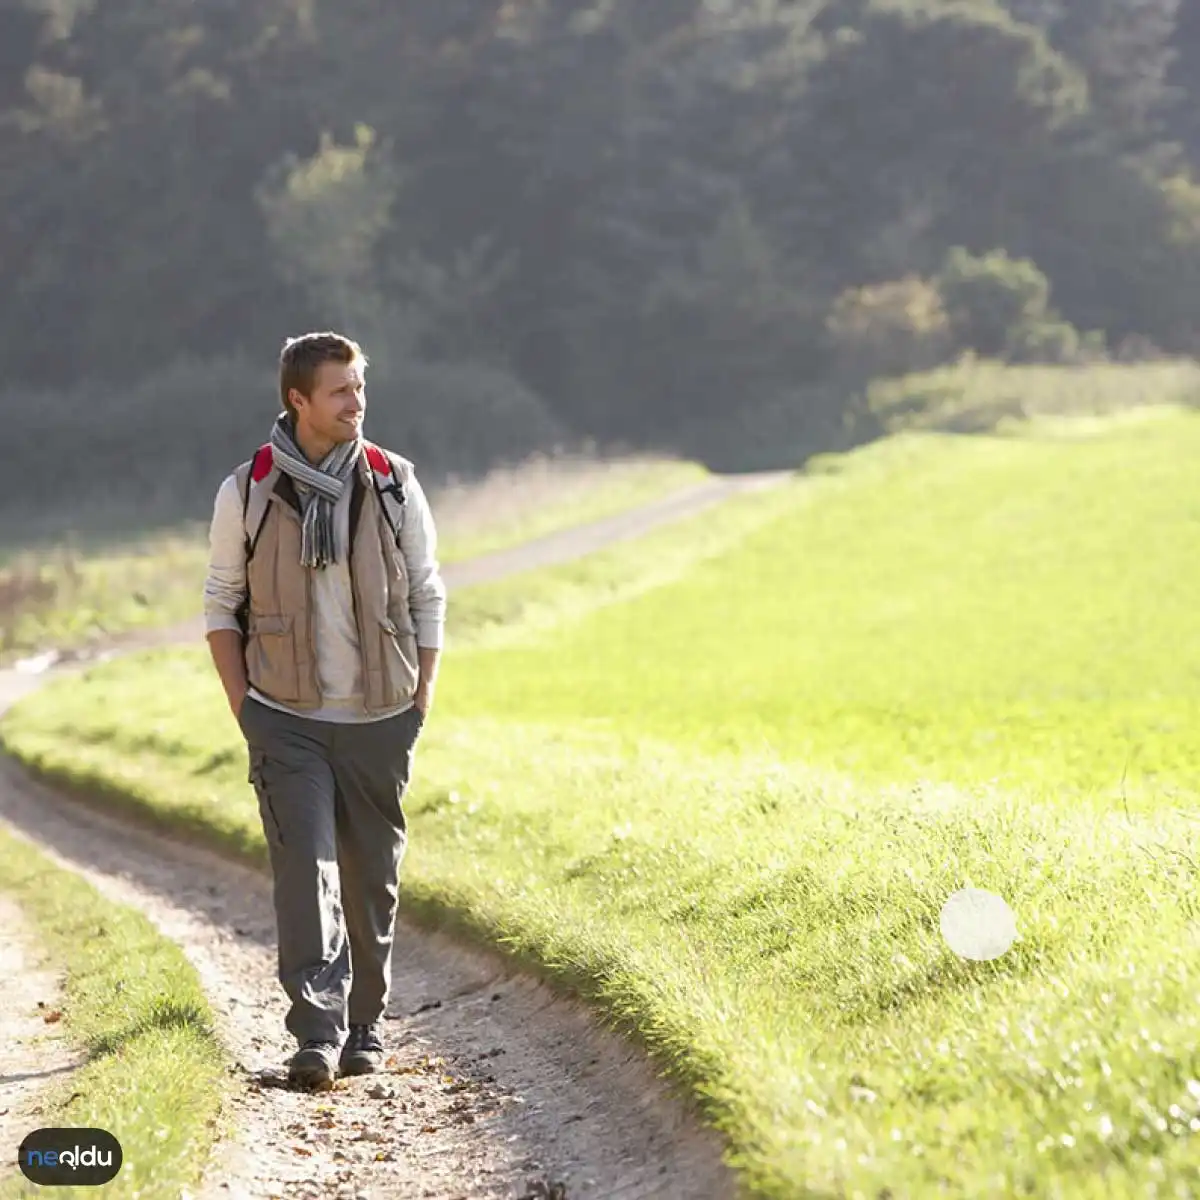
<point x="496" y="1087"/>
<point x="551" y="550"/>
<point x="569" y="544"/>
<point x="33" y="1049"/>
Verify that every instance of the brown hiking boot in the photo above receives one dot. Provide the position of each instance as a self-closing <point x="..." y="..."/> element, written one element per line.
<point x="363" y="1052"/>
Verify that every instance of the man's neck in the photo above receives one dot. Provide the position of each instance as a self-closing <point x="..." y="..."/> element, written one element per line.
<point x="314" y="448"/>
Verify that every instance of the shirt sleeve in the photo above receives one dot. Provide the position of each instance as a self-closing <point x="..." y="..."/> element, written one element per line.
<point x="225" y="584"/>
<point x="426" y="588"/>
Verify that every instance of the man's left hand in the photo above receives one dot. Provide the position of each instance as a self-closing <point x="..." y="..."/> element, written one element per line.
<point x="427" y="670"/>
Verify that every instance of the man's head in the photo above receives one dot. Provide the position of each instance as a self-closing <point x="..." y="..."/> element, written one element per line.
<point x="322" y="386"/>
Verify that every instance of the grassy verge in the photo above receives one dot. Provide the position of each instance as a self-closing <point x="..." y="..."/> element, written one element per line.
<point x="727" y="797"/>
<point x="989" y="395"/>
<point x="69" y="595"/>
<point x="155" y="1074"/>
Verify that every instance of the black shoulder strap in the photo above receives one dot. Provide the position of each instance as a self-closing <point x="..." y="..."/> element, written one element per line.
<point x="391" y="496"/>
<point x="251" y="542"/>
<point x="358" y="493"/>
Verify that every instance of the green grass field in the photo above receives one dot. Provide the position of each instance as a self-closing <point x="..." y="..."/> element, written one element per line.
<point x="67" y="595"/>
<point x="721" y="781"/>
<point x="154" y="1073"/>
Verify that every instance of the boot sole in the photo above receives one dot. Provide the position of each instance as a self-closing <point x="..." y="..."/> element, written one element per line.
<point x="313" y="1077"/>
<point x="323" y="1083"/>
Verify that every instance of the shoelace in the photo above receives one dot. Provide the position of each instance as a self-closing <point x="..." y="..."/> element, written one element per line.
<point x="364" y="1037"/>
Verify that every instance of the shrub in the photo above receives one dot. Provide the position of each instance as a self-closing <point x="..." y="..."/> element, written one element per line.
<point x="1045" y="341"/>
<point x="890" y="328"/>
<point x="989" y="298"/>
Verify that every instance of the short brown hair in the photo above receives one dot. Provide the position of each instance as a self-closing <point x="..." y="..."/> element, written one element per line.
<point x="301" y="357"/>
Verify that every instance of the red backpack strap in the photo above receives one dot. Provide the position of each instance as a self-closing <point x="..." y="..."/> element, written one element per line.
<point x="387" y="471"/>
<point x="254" y="495"/>
<point x="380" y="463"/>
<point x="262" y="462"/>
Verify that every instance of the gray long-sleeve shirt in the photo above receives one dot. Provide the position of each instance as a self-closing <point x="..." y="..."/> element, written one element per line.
<point x="339" y="669"/>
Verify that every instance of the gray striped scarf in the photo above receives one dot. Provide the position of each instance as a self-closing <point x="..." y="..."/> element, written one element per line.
<point x="319" y="489"/>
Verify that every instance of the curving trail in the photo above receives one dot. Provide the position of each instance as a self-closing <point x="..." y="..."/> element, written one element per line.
<point x="495" y="1085"/>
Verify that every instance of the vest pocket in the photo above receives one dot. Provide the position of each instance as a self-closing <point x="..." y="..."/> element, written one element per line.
<point x="271" y="661"/>
<point x="401" y="667"/>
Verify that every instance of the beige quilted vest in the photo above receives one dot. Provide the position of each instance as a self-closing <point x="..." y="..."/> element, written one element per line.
<point x="280" y="654"/>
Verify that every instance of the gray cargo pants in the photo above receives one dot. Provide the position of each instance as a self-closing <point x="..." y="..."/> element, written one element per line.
<point x="330" y="797"/>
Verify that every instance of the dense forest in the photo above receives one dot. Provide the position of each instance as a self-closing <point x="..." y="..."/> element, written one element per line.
<point x="633" y="222"/>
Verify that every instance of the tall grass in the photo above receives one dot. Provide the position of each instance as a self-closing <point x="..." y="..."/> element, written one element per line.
<point x="985" y="395"/>
<point x="67" y="595"/>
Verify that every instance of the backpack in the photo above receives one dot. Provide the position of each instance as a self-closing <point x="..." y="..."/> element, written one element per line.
<point x="256" y="482"/>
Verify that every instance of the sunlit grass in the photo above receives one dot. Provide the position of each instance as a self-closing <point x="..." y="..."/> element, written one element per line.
<point x="153" y="1074"/>
<point x="727" y="795"/>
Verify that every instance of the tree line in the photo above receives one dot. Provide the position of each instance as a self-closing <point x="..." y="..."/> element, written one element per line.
<point x="653" y="223"/>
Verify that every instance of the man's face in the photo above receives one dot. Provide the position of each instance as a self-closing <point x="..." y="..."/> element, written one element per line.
<point x="334" y="412"/>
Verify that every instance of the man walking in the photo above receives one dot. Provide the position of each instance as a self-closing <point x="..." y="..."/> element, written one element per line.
<point x="325" y="610"/>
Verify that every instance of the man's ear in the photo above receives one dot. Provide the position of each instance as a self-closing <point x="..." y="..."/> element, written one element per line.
<point x="298" y="399"/>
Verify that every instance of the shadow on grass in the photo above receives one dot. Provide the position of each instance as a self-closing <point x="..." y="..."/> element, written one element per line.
<point x="946" y="976"/>
<point x="222" y="758"/>
<point x="165" y="1013"/>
